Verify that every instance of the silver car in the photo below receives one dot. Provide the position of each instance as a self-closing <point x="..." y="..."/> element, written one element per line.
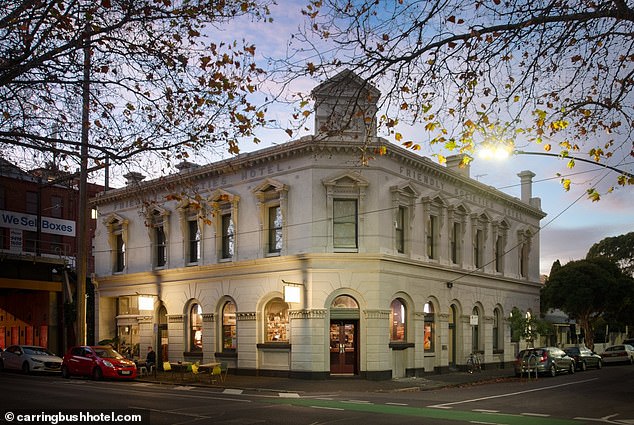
<point x="622" y="353"/>
<point x="546" y="360"/>
<point x="30" y="358"/>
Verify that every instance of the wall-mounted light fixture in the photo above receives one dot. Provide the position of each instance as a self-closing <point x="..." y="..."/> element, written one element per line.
<point x="449" y="285"/>
<point x="292" y="292"/>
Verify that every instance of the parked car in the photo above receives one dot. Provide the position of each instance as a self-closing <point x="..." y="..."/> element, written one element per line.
<point x="550" y="360"/>
<point x="584" y="357"/>
<point x="622" y="353"/>
<point x="629" y="341"/>
<point x="97" y="362"/>
<point x="30" y="358"/>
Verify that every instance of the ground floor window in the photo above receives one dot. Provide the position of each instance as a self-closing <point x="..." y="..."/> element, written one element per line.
<point x="229" y="334"/>
<point x="196" y="322"/>
<point x="397" y="325"/>
<point x="276" y="313"/>
<point x="428" y="329"/>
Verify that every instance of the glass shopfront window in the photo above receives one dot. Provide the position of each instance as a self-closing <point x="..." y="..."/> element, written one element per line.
<point x="398" y="329"/>
<point x="229" y="333"/>
<point x="276" y="313"/>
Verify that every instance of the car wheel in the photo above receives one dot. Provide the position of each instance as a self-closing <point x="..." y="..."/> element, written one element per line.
<point x="65" y="372"/>
<point x="572" y="368"/>
<point x="97" y="374"/>
<point x="553" y="371"/>
<point x="25" y="368"/>
<point x="584" y="366"/>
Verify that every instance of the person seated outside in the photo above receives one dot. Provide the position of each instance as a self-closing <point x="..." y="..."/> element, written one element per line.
<point x="150" y="359"/>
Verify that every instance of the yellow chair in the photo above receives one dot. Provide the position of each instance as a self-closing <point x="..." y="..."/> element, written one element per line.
<point x="167" y="368"/>
<point x="195" y="371"/>
<point x="216" y="374"/>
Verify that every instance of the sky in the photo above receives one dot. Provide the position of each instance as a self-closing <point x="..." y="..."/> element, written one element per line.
<point x="573" y="223"/>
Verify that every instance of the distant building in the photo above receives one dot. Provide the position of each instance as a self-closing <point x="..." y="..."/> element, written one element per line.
<point x="37" y="262"/>
<point x="295" y="260"/>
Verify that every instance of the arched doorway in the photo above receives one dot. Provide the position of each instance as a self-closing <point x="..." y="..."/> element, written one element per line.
<point x="344" y="336"/>
<point x="452" y="335"/>
<point x="162" y="342"/>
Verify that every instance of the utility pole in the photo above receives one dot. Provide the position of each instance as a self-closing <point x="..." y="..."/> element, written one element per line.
<point x="82" y="237"/>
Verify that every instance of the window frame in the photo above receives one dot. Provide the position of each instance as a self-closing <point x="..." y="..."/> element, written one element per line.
<point x="229" y="327"/>
<point x="429" y="327"/>
<point x="275" y="229"/>
<point x="339" y="221"/>
<point x="195" y="327"/>
<point x="398" y="321"/>
<point x="278" y="324"/>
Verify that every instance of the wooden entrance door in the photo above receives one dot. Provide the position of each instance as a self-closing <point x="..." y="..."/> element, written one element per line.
<point x="343" y="346"/>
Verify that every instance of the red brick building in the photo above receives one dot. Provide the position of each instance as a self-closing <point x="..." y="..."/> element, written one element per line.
<point x="37" y="263"/>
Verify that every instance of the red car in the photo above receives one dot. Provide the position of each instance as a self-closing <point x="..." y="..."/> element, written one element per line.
<point x="97" y="362"/>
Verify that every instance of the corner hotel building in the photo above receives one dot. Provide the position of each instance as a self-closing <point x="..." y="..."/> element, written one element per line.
<point x="296" y="261"/>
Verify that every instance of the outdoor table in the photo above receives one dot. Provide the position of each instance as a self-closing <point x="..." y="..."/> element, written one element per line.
<point x="180" y="368"/>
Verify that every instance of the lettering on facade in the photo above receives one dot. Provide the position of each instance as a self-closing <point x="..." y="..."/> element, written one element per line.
<point x="513" y="214"/>
<point x="422" y="178"/>
<point x="476" y="199"/>
<point x="250" y="173"/>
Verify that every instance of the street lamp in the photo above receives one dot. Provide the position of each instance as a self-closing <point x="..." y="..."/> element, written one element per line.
<point x="503" y="152"/>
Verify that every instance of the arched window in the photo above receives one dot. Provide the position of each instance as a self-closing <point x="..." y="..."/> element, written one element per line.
<point x="429" y="331"/>
<point x="398" y="329"/>
<point x="475" y="330"/>
<point x="345" y="301"/>
<point x="229" y="334"/>
<point x="196" y="327"/>
<point x="276" y="314"/>
<point x="497" y="330"/>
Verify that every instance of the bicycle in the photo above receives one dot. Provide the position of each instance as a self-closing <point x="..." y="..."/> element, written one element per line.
<point x="473" y="363"/>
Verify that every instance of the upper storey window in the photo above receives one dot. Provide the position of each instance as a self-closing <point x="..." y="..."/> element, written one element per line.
<point x="345" y="205"/>
<point x="344" y="223"/>
<point x="192" y="230"/>
<point x="457" y="220"/>
<point x="118" y="240"/>
<point x="403" y="200"/>
<point x="158" y="220"/>
<point x="433" y="216"/>
<point x="225" y="211"/>
<point x="272" y="207"/>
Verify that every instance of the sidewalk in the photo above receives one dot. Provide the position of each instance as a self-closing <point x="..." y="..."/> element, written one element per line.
<point x="335" y="384"/>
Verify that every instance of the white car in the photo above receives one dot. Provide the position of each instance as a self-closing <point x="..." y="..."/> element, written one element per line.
<point x="623" y="353"/>
<point x="30" y="358"/>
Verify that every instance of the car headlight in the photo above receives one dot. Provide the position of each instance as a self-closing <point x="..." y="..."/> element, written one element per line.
<point x="107" y="364"/>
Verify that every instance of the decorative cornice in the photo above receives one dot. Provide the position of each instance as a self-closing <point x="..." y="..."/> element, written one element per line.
<point x="377" y="314"/>
<point x="174" y="318"/>
<point x="246" y="316"/>
<point x="307" y="314"/>
<point x="208" y="317"/>
<point x="310" y="145"/>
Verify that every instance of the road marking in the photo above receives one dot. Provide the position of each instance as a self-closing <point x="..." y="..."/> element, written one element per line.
<point x="326" y="408"/>
<point x="453" y="403"/>
<point x="289" y="395"/>
<point x="484" y="423"/>
<point x="232" y="391"/>
<point x="356" y="401"/>
<point x="538" y="415"/>
<point x="398" y="404"/>
<point x="183" y="388"/>
<point x="485" y="411"/>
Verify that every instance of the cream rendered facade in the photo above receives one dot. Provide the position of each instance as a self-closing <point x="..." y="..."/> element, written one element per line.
<point x="424" y="269"/>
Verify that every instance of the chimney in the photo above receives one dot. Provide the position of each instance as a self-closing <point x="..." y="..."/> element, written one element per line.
<point x="133" y="177"/>
<point x="454" y="163"/>
<point x="526" y="177"/>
